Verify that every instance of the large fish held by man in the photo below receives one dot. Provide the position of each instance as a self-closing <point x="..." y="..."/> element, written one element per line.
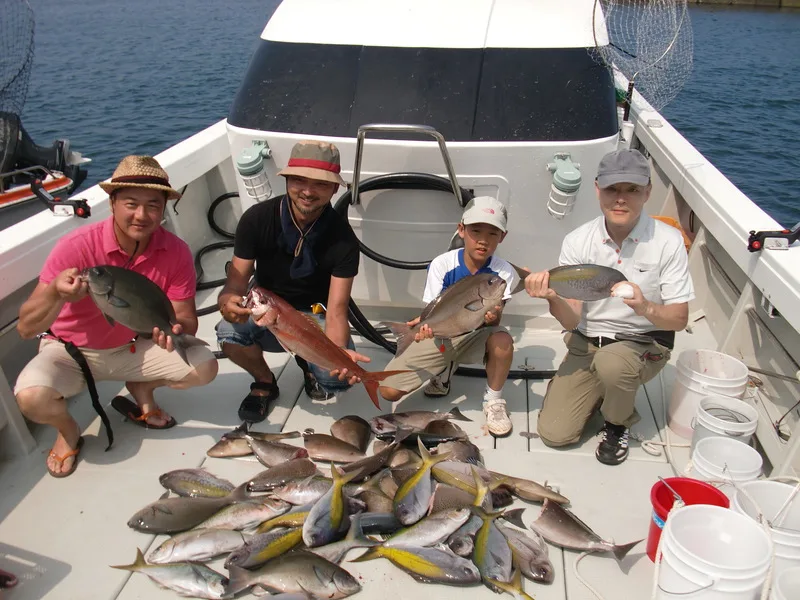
<point x="459" y="309"/>
<point x="133" y="300"/>
<point x="301" y="335"/>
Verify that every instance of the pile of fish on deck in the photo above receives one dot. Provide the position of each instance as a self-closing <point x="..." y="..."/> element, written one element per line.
<point x="422" y="500"/>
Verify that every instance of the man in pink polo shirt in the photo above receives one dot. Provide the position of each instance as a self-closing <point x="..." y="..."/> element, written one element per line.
<point x="60" y="307"/>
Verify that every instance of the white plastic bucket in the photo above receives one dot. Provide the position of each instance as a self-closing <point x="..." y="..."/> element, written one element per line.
<point x="712" y="553"/>
<point x="770" y="496"/>
<point x="720" y="416"/>
<point x="725" y="459"/>
<point x="786" y="586"/>
<point x="702" y="373"/>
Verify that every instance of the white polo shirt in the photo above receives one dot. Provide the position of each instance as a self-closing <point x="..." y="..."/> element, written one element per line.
<point x="653" y="257"/>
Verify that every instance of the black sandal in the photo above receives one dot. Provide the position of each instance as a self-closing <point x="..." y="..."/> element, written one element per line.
<point x="254" y="407"/>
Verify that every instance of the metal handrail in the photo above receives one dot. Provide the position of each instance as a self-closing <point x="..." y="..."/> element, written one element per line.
<point x="395" y="128"/>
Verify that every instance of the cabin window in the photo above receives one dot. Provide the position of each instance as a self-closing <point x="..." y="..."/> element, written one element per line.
<point x="495" y="94"/>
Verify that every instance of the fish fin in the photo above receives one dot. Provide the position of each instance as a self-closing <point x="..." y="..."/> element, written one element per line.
<point x="403" y="334"/>
<point x="481" y="490"/>
<point x="109" y="320"/>
<point x="514" y="588"/>
<point x="370" y="554"/>
<point x="136" y="565"/>
<point x="372" y="391"/>
<point x="474" y="306"/>
<point x="372" y="485"/>
<point x="521" y="274"/>
<point x="401" y="433"/>
<point x="117" y="301"/>
<point x="620" y="550"/>
<point x="181" y="351"/>
<point x="238" y="580"/>
<point x="240" y="492"/>
<point x="164" y="496"/>
<point x="514" y="516"/>
<point x="457" y="415"/>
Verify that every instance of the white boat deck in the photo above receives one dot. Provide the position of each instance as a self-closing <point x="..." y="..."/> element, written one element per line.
<point x="60" y="535"/>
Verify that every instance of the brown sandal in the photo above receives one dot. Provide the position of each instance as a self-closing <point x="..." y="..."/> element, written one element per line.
<point x="60" y="460"/>
<point x="131" y="411"/>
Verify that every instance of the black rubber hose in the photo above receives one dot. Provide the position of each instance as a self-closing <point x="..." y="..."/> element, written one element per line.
<point x="211" y="209"/>
<point x="398" y="181"/>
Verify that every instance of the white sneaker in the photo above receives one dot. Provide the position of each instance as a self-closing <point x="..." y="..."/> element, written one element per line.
<point x="497" y="421"/>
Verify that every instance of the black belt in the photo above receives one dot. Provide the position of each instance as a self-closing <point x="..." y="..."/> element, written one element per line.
<point x="663" y="337"/>
<point x="79" y="358"/>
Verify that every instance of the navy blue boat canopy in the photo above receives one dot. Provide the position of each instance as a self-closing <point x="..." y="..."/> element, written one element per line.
<point x="468" y="94"/>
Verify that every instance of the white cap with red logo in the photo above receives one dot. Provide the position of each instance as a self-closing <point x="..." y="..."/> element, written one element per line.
<point x="485" y="209"/>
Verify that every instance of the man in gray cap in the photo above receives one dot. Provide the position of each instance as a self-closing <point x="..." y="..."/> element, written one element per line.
<point x="615" y="345"/>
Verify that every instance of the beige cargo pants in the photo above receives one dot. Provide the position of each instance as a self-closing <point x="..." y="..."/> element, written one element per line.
<point x="588" y="377"/>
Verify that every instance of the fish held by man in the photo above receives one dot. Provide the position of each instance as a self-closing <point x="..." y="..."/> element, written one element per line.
<point x="133" y="300"/>
<point x="584" y="282"/>
<point x="302" y="336"/>
<point x="459" y="309"/>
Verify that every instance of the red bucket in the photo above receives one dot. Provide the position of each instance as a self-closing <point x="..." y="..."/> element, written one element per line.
<point x="691" y="491"/>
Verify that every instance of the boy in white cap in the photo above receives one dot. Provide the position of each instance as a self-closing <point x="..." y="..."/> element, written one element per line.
<point x="483" y="226"/>
<point x="615" y="345"/>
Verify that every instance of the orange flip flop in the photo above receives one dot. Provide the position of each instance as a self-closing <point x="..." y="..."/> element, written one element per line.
<point x="60" y="460"/>
<point x="131" y="411"/>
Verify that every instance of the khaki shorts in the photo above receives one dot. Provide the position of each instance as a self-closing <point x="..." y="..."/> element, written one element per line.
<point x="52" y="367"/>
<point x="426" y="359"/>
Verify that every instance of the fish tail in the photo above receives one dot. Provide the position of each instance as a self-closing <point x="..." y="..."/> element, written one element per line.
<point x="184" y="341"/>
<point x="514" y="516"/>
<point x="403" y="334"/>
<point x="370" y="554"/>
<point x="514" y="587"/>
<point x="372" y="389"/>
<point x="238" y="580"/>
<point x="620" y="550"/>
<point x="137" y="564"/>
<point x="373" y="484"/>
<point x="457" y="415"/>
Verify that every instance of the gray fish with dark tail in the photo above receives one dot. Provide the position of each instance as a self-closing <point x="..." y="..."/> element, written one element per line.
<point x="233" y="443"/>
<point x="291" y="470"/>
<point x="271" y="454"/>
<point x="185" y="578"/>
<point x="171" y="515"/>
<point x="297" y="571"/>
<point x="560" y="527"/>
<point x="133" y="300"/>
<point x="196" y="482"/>
<point x="329" y="448"/>
<point x="584" y="282"/>
<point x="414" y="420"/>
<point x="459" y="309"/>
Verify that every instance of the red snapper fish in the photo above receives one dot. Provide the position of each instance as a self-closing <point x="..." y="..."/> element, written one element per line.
<point x="301" y="335"/>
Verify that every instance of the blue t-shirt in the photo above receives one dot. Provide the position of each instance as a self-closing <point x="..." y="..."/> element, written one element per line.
<point x="449" y="267"/>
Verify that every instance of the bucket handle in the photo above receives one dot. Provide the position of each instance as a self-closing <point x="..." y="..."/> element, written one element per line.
<point x="705" y="587"/>
<point x="693" y="426"/>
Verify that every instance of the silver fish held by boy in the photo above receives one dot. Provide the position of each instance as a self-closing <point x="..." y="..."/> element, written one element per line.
<point x="584" y="282"/>
<point x="196" y="482"/>
<point x="133" y="300"/>
<point x="297" y="571"/>
<point x="187" y="579"/>
<point x="196" y="545"/>
<point x="560" y="527"/>
<point x="459" y="309"/>
<point x="171" y="515"/>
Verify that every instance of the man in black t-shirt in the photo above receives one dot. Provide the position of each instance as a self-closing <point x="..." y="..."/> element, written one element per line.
<point x="305" y="252"/>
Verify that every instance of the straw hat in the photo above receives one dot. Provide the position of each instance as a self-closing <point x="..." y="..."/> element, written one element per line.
<point x="315" y="160"/>
<point x="140" y="172"/>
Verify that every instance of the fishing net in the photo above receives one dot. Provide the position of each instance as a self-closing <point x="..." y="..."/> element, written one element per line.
<point x="649" y="41"/>
<point x="16" y="54"/>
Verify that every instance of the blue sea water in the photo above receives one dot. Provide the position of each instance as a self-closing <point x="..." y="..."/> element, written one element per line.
<point x="117" y="77"/>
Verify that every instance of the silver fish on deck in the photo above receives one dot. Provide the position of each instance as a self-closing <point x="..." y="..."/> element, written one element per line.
<point x="245" y="515"/>
<point x="530" y="554"/>
<point x="459" y="309"/>
<point x="296" y="571"/>
<point x="431" y="530"/>
<point x="560" y="527"/>
<point x="271" y="454"/>
<point x="414" y="420"/>
<point x="133" y="300"/>
<point x="264" y="546"/>
<point x="329" y="448"/>
<point x="413" y="497"/>
<point x="196" y="482"/>
<point x="291" y="470"/>
<point x="187" y="579"/>
<point x="491" y="553"/>
<point x="329" y="513"/>
<point x="336" y="551"/>
<point x="172" y="515"/>
<point x="196" y="545"/>
<point x="233" y="443"/>
<point x="584" y="282"/>
<point x="427" y="565"/>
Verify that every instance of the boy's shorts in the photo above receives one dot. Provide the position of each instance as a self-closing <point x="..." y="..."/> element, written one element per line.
<point x="426" y="360"/>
